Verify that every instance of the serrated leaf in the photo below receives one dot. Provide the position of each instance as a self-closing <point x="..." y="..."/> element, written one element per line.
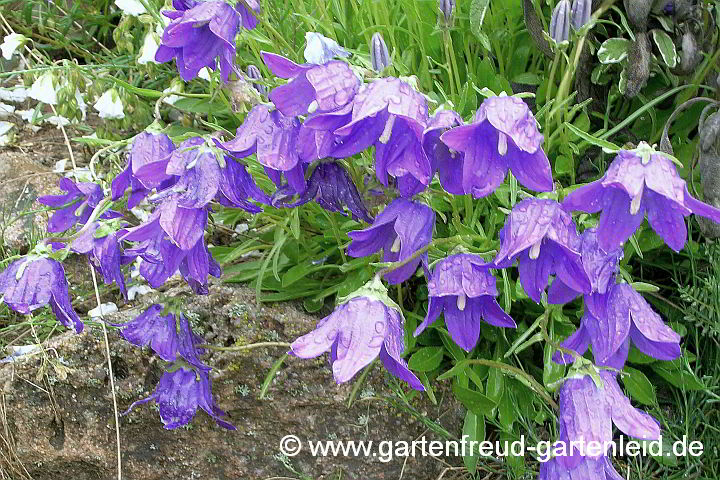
<point x="478" y="10"/>
<point x="639" y="387"/>
<point x="666" y="46"/>
<point x="613" y="50"/>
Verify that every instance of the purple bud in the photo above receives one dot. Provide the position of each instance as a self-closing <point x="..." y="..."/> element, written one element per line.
<point x="580" y="13"/>
<point x="560" y="22"/>
<point x="669" y="8"/>
<point x="447" y="10"/>
<point x="379" y="55"/>
<point x="253" y="73"/>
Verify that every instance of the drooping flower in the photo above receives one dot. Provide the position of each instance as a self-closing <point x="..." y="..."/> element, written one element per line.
<point x="637" y="182"/>
<point x="109" y="106"/>
<point x="544" y="240"/>
<point x="331" y="187"/>
<point x="44" y="89"/>
<point x="149" y="48"/>
<point x="394" y="117"/>
<point x="448" y="163"/>
<point x="502" y="137"/>
<point x="11" y="43"/>
<point x="379" y="54"/>
<point x="145" y="171"/>
<point x="403" y="228"/>
<point x="560" y="22"/>
<point x="319" y="49"/>
<point x="580" y="13"/>
<point x="35" y="281"/>
<point x="600" y="468"/>
<point x="76" y="206"/>
<point x="152" y="328"/>
<point x="463" y="288"/>
<point x="366" y="326"/>
<point x="101" y="244"/>
<point x="312" y="87"/>
<point x="198" y="35"/>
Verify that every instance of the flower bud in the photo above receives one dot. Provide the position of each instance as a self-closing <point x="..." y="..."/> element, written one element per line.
<point x="447" y="13"/>
<point x="253" y="73"/>
<point x="638" y="69"/>
<point x="560" y="22"/>
<point x="580" y="13"/>
<point x="379" y="55"/>
<point x="690" y="57"/>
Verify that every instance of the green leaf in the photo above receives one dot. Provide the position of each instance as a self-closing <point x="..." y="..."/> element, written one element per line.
<point x="271" y="375"/>
<point x="639" y="387"/>
<point x="426" y="359"/>
<point x="607" y="147"/>
<point x="495" y="385"/>
<point x="563" y="165"/>
<point x="613" y="50"/>
<point x="552" y="372"/>
<point x="200" y="105"/>
<point x="666" y="46"/>
<point x="474" y="401"/>
<point x="474" y="429"/>
<point x="478" y="9"/>
<point x="637" y="357"/>
<point x="675" y="374"/>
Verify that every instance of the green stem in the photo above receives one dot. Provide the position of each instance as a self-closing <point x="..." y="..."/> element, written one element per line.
<point x="251" y="346"/>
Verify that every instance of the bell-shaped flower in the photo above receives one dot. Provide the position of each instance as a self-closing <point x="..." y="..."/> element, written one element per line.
<point x="462" y="287"/>
<point x="35" y="281"/>
<point x="76" y="206"/>
<point x="312" y="87"/>
<point x="403" y="228"/>
<point x="593" y="468"/>
<point x="110" y="106"/>
<point x="101" y="244"/>
<point x="503" y="136"/>
<point x="379" y="54"/>
<point x="580" y="13"/>
<point x="560" y="22"/>
<point x="589" y="406"/>
<point x="145" y="171"/>
<point x="544" y="240"/>
<point x="197" y="36"/>
<point x="249" y="10"/>
<point x="637" y="182"/>
<point x="253" y="73"/>
<point x="394" y="116"/>
<point x="447" y="162"/>
<point x="366" y="326"/>
<point x="273" y="138"/>
<point x="152" y="328"/>
<point x="331" y="187"/>
<point x="319" y="49"/>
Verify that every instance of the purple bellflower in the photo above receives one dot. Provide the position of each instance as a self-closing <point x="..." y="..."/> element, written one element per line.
<point x="462" y="288"/>
<point x="76" y="206"/>
<point x="403" y="228"/>
<point x="560" y="22"/>
<point x="145" y="171"/>
<point x="152" y="328"/>
<point x="447" y="162"/>
<point x="249" y="10"/>
<point x="580" y="13"/>
<point x="312" y="87"/>
<point x="102" y="246"/>
<point x="379" y="54"/>
<point x="253" y="73"/>
<point x="199" y="34"/>
<point x="502" y="137"/>
<point x="394" y="117"/>
<point x="366" y="326"/>
<point x="273" y="138"/>
<point x="588" y="468"/>
<point x="331" y="187"/>
<point x="544" y="240"/>
<point x="637" y="182"/>
<point x="35" y="281"/>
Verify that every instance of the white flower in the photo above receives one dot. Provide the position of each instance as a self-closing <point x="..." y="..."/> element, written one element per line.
<point x="320" y="49"/>
<point x="131" y="7"/>
<point x="11" y="43"/>
<point x="204" y="73"/>
<point x="147" y="52"/>
<point x="176" y="85"/>
<point x="136" y="290"/>
<point x="80" y="99"/>
<point x="44" y="89"/>
<point x="109" y="106"/>
<point x="103" y="309"/>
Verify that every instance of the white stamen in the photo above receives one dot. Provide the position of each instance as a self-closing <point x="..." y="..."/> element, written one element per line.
<point x="313" y="106"/>
<point x="636" y="201"/>
<point x="461" y="301"/>
<point x="385" y="137"/>
<point x="535" y="250"/>
<point x="396" y="245"/>
<point x="502" y="144"/>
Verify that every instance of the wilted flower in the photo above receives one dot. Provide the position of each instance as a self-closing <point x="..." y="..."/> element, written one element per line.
<point x="311" y="87"/>
<point x="393" y="116"/>
<point x="76" y="206"/>
<point x="253" y="73"/>
<point x="11" y="43"/>
<point x="502" y="137"/>
<point x="403" y="228"/>
<point x="366" y="326"/>
<point x="462" y="288"/>
<point x="599" y="468"/>
<point x="35" y="281"/>
<point x="544" y="240"/>
<point x="196" y="36"/>
<point x="319" y="49"/>
<point x="148" y="158"/>
<point x="379" y="55"/>
<point x="580" y="13"/>
<point x="331" y="187"/>
<point x="447" y="162"/>
<point x="560" y="22"/>
<point x="101" y="244"/>
<point x="44" y="89"/>
<point x="637" y="182"/>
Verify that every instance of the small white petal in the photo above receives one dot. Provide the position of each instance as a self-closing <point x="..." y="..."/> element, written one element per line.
<point x="44" y="89"/>
<point x="138" y="290"/>
<point x="502" y="144"/>
<point x="147" y="52"/>
<point x="6" y="110"/>
<point x="130" y="7"/>
<point x="11" y="43"/>
<point x="396" y="245"/>
<point x="461" y="299"/>
<point x="103" y="309"/>
<point x="60" y="166"/>
<point x="109" y="106"/>
<point x="80" y="99"/>
<point x="15" y="95"/>
<point x="320" y="49"/>
<point x="535" y="250"/>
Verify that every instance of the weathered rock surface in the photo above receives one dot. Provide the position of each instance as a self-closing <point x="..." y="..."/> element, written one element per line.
<point x="63" y="427"/>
